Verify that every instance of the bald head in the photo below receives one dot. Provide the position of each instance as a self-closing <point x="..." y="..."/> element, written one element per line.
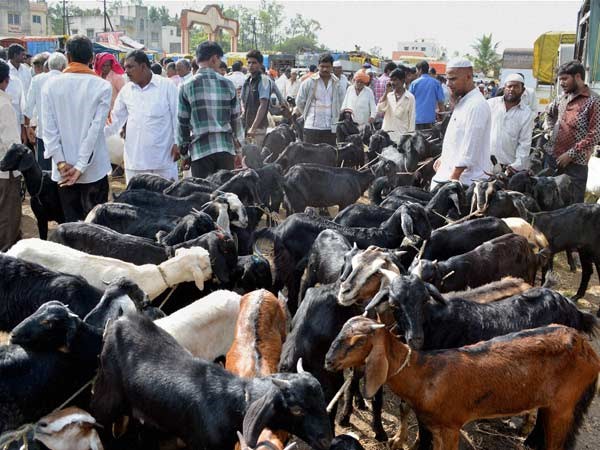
<point x="460" y="80"/>
<point x="183" y="67"/>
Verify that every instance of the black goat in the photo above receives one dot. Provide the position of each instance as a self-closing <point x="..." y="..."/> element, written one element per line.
<point x="314" y="327"/>
<point x="45" y="202"/>
<point x="345" y="127"/>
<point x="379" y="140"/>
<point x="145" y="373"/>
<point x="507" y="255"/>
<point x="462" y="237"/>
<point x="325" y="260"/>
<point x="302" y="152"/>
<point x="276" y="141"/>
<point x="167" y="204"/>
<point x="321" y="186"/>
<point x="149" y="182"/>
<point x="252" y="272"/>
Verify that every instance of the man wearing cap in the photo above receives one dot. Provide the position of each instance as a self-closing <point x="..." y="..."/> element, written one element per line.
<point x="359" y="100"/>
<point x="574" y="119"/>
<point x="512" y="125"/>
<point x="339" y="72"/>
<point x="428" y="93"/>
<point x="466" y="148"/>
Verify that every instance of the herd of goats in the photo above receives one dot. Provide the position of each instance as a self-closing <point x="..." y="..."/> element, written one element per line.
<point x="169" y="318"/>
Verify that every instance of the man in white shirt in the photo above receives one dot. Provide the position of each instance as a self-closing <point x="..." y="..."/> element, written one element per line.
<point x="292" y="85"/>
<point x="512" y="125"/>
<point x="466" y="148"/>
<point x="360" y="101"/>
<point x="319" y="101"/>
<point x="18" y="68"/>
<point x="398" y="107"/>
<point x="149" y="105"/>
<point x="285" y="75"/>
<point x="184" y="69"/>
<point x="10" y="182"/>
<point x="338" y="71"/>
<point x="236" y="76"/>
<point x="75" y="108"/>
<point x="57" y="62"/>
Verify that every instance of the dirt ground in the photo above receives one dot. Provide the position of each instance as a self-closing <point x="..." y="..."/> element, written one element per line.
<point x="484" y="435"/>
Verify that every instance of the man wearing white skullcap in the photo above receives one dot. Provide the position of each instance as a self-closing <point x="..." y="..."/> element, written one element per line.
<point x="466" y="148"/>
<point x="338" y="71"/>
<point x="512" y="125"/>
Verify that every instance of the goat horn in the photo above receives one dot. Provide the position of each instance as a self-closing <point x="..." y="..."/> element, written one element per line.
<point x="243" y="444"/>
<point x="377" y="326"/>
<point x="299" y="367"/>
<point x="291" y="446"/>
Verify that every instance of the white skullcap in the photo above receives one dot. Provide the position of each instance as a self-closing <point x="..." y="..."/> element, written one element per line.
<point x="458" y="63"/>
<point x="337" y="63"/>
<point x="514" y="77"/>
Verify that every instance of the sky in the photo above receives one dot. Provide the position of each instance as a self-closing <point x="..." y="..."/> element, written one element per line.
<point x="454" y="24"/>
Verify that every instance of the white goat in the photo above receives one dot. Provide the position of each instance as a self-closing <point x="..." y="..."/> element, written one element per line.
<point x="68" y="429"/>
<point x="206" y="327"/>
<point x="523" y="228"/>
<point x="191" y="264"/>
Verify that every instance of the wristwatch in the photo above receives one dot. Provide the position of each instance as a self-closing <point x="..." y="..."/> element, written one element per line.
<point x="60" y="165"/>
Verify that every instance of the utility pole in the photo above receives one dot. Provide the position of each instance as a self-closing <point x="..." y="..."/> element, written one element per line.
<point x="64" y="17"/>
<point x="254" y="31"/>
<point x="105" y="29"/>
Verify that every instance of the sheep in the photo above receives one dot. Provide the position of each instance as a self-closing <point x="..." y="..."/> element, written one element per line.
<point x="61" y="356"/>
<point x="206" y="328"/>
<point x="45" y="202"/>
<point x="318" y="319"/>
<point x="316" y="185"/>
<point x="535" y="238"/>
<point x="145" y="373"/>
<point x="573" y="227"/>
<point x="68" y="429"/>
<point x="25" y="286"/>
<point x="507" y="255"/>
<point x="260" y="331"/>
<point x="188" y="265"/>
<point x="450" y="388"/>
<point x="149" y="182"/>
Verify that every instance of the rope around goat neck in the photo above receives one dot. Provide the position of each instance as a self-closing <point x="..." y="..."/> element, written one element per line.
<point x="406" y="363"/>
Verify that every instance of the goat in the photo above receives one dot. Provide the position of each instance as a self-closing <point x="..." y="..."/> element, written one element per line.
<point x="507" y="255"/>
<point x="188" y="265"/>
<point x="379" y="140"/>
<point x="302" y="152"/>
<point x="276" y="141"/>
<point x="173" y="206"/>
<point x="316" y="323"/>
<point x="519" y="226"/>
<point x="553" y="362"/>
<point x="45" y="202"/>
<point x="252" y="272"/>
<point x="144" y="372"/>
<point x="68" y="429"/>
<point x="61" y="355"/>
<point x="259" y="334"/>
<point x="325" y="260"/>
<point x="462" y="237"/>
<point x="206" y="327"/>
<point x="573" y="227"/>
<point x="316" y="185"/>
<point x="149" y="182"/>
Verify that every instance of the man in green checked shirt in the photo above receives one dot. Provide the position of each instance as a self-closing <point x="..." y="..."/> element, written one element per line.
<point x="210" y="128"/>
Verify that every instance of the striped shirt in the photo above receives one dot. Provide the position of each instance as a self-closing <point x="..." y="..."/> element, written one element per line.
<point x="208" y="115"/>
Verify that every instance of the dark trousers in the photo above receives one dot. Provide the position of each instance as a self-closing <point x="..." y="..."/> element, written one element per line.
<point x="424" y="126"/>
<point x="45" y="164"/>
<point x="319" y="136"/>
<point x="78" y="200"/>
<point x="577" y="173"/>
<point x="203" y="167"/>
<point x="10" y="211"/>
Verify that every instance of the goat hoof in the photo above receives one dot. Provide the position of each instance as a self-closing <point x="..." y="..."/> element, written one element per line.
<point x="360" y="404"/>
<point x="381" y="436"/>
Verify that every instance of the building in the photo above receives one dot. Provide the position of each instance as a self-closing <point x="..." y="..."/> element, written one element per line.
<point x="23" y="18"/>
<point x="171" y="39"/>
<point x="131" y="19"/>
<point x="428" y="46"/>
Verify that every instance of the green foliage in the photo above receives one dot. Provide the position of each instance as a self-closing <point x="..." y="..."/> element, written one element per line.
<point x="486" y="59"/>
<point x="297" y="44"/>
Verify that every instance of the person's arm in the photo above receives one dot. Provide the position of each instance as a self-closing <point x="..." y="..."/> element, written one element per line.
<point x="551" y="114"/>
<point x="184" y="114"/>
<point x="346" y="101"/>
<point x="51" y="133"/>
<point x="372" y="106"/>
<point x="440" y="97"/>
<point x="477" y="131"/>
<point x="118" y="115"/>
<point x="301" y="98"/>
<point x="582" y="150"/>
<point x="9" y="128"/>
<point x="30" y="103"/>
<point x="412" y="116"/>
<point x="264" y="96"/>
<point x="236" y="123"/>
<point x="95" y="130"/>
<point x="524" y="145"/>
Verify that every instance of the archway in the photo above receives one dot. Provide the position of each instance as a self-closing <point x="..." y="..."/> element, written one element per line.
<point x="213" y="20"/>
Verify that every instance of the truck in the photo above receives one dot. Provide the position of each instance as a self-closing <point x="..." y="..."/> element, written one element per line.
<point x="518" y="60"/>
<point x="587" y="43"/>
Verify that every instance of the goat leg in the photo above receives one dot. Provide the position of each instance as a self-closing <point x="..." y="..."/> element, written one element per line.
<point x="380" y="433"/>
<point x="586" y="273"/>
<point x="571" y="261"/>
<point x="349" y="393"/>
<point x="400" y="439"/>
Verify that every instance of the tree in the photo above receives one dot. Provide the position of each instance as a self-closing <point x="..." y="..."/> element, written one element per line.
<point x="299" y="26"/>
<point x="486" y="58"/>
<point x="297" y="44"/>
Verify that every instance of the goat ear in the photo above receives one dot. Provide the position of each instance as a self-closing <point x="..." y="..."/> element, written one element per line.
<point x="407" y="225"/>
<point x="454" y="198"/>
<point x="435" y="294"/>
<point x="378" y="299"/>
<point x="198" y="275"/>
<point x="376" y="370"/>
<point x="72" y="327"/>
<point x="27" y="161"/>
<point x="95" y="442"/>
<point x="258" y="415"/>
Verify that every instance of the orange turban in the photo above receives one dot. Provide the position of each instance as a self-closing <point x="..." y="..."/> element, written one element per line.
<point x="361" y="75"/>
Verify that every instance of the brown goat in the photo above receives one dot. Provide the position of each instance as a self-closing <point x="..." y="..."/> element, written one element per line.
<point x="68" y="429"/>
<point x="260" y="331"/>
<point x="553" y="369"/>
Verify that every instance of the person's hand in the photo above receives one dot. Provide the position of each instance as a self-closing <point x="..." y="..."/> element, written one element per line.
<point x="236" y="144"/>
<point x="186" y="162"/>
<point x="31" y="135"/>
<point x="436" y="164"/>
<point x="510" y="171"/>
<point x="24" y="139"/>
<point x="175" y="152"/>
<point x="63" y="167"/>
<point x="388" y="88"/>
<point x="70" y="177"/>
<point x="251" y="132"/>
<point x="563" y="160"/>
<point x="371" y="120"/>
<point x="238" y="162"/>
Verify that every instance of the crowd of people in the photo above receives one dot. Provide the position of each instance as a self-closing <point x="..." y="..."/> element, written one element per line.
<point x="66" y="105"/>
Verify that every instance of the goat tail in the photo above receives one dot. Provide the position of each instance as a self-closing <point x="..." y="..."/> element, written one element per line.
<point x="552" y="280"/>
<point x="581" y="409"/>
<point x="590" y="325"/>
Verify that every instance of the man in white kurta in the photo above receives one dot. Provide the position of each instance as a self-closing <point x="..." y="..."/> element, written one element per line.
<point x="512" y="125"/>
<point x="398" y="106"/>
<point x="148" y="103"/>
<point x="360" y="101"/>
<point x="466" y="148"/>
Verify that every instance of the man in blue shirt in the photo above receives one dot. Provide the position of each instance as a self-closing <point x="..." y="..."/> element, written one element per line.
<point x="428" y="92"/>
